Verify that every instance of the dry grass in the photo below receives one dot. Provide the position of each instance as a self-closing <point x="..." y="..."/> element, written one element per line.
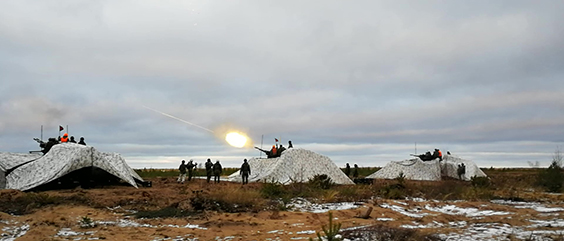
<point x="237" y="199"/>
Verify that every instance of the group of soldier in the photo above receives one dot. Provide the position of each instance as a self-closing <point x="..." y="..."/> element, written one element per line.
<point x="348" y="170"/>
<point x="46" y="146"/>
<point x="428" y="156"/>
<point x="216" y="169"/>
<point x="211" y="169"/>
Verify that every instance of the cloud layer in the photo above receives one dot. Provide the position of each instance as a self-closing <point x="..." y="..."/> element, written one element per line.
<point x="358" y="82"/>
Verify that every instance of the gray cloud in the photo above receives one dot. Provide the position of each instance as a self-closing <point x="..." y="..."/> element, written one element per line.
<point x="358" y="82"/>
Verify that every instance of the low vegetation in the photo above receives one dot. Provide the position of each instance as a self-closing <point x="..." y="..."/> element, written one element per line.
<point x="195" y="197"/>
<point x="381" y="232"/>
<point x="331" y="231"/>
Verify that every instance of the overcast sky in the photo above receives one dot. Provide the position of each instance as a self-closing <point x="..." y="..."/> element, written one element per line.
<point x="360" y="82"/>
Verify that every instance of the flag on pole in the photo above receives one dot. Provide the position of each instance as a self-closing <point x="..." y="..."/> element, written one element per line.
<point x="276" y="139"/>
<point x="61" y="128"/>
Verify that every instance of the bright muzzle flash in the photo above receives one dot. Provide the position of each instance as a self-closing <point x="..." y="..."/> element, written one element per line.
<point x="235" y="139"/>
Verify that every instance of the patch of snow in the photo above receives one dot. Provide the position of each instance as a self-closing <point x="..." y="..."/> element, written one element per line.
<point x="306" y="232"/>
<point x="548" y="210"/>
<point x="481" y="231"/>
<point x="458" y="224"/>
<point x="468" y="212"/>
<point x="414" y="213"/>
<point x="530" y="205"/>
<point x="303" y="205"/>
<point x="402" y="203"/>
<point x="385" y="219"/>
<point x="12" y="233"/>
<point x="114" y="208"/>
<point x="416" y="199"/>
<point x="128" y="223"/>
<point x="122" y="223"/>
<point x="434" y="224"/>
<point x="547" y="223"/>
<point x="67" y="232"/>
<point x="178" y="238"/>
<point x="194" y="226"/>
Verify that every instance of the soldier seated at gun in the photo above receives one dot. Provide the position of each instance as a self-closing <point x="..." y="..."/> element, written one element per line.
<point x="274" y="152"/>
<point x="46" y="146"/>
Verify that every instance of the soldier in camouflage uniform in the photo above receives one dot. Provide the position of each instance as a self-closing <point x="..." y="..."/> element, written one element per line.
<point x="191" y="165"/>
<point x="217" y="171"/>
<point x="182" y="169"/>
<point x="245" y="171"/>
<point x="209" y="166"/>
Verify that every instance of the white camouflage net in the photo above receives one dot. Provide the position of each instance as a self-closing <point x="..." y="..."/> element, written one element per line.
<point x="295" y="165"/>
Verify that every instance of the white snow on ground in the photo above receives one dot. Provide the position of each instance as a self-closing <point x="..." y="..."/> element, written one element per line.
<point x="468" y="212"/>
<point x="483" y="231"/>
<point x="530" y="205"/>
<point x="497" y="231"/>
<point x="400" y="202"/>
<point x="303" y="205"/>
<point x="129" y="223"/>
<point x="179" y="238"/>
<point x="458" y="224"/>
<point x="385" y="219"/>
<point x="434" y="224"/>
<point x="67" y="232"/>
<point x="416" y="199"/>
<point x="13" y="232"/>
<point x="414" y="212"/>
<point x="547" y="223"/>
<point x="538" y="229"/>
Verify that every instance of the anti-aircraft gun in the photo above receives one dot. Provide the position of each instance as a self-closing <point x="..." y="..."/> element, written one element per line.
<point x="45" y="146"/>
<point x="41" y="143"/>
<point x="428" y="156"/>
<point x="269" y="154"/>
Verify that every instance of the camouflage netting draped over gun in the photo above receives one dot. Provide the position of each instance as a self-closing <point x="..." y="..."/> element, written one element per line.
<point x="28" y="171"/>
<point x="294" y="165"/>
<point x="434" y="170"/>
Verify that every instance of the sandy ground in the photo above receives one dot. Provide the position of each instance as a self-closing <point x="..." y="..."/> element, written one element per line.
<point x="111" y="216"/>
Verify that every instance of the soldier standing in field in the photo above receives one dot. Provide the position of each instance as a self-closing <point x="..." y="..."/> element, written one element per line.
<point x="191" y="165"/>
<point x="355" y="171"/>
<point x="182" y="169"/>
<point x="216" y="171"/>
<point x="209" y="166"/>
<point x="347" y="170"/>
<point x="245" y="171"/>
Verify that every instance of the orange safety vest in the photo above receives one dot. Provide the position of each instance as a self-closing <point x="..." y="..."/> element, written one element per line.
<point x="64" y="139"/>
<point x="440" y="154"/>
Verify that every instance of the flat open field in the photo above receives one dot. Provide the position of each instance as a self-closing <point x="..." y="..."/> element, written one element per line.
<point x="511" y="207"/>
